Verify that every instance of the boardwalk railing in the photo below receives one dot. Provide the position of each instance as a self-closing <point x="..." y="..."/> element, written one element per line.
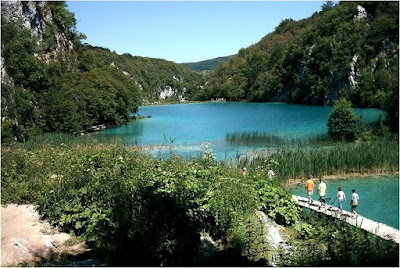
<point x="379" y="229"/>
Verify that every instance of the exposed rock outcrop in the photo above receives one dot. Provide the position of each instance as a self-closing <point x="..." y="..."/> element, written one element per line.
<point x="37" y="16"/>
<point x="167" y="92"/>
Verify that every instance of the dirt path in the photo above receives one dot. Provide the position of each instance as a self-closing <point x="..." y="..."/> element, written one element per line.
<point x="27" y="239"/>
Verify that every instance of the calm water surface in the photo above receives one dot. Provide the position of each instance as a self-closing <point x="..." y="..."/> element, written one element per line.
<point x="187" y="126"/>
<point x="379" y="196"/>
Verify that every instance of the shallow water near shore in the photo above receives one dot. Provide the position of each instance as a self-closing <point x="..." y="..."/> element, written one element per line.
<point x="379" y="196"/>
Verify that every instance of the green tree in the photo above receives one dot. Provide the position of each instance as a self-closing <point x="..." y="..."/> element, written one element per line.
<point x="342" y="122"/>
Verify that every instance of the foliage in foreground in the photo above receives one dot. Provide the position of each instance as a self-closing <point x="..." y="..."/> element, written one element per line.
<point x="123" y="201"/>
<point x="126" y="203"/>
<point x="331" y="242"/>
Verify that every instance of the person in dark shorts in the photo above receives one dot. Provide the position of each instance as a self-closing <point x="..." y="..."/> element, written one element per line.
<point x="354" y="201"/>
<point x="322" y="191"/>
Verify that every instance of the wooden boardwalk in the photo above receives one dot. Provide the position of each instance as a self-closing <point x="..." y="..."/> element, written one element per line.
<point x="379" y="229"/>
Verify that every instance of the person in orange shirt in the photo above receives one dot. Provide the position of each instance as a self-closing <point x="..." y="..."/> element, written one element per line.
<point x="309" y="188"/>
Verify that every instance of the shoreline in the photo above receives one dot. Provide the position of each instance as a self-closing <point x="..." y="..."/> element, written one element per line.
<point x="186" y="102"/>
<point x="292" y="182"/>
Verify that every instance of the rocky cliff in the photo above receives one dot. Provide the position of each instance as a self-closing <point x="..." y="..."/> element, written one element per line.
<point x="53" y="38"/>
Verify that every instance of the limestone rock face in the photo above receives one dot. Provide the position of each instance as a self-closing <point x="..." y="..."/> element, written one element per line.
<point x="5" y="78"/>
<point x="167" y="92"/>
<point x="30" y="14"/>
<point x="354" y="74"/>
<point x="35" y="16"/>
<point x="361" y="13"/>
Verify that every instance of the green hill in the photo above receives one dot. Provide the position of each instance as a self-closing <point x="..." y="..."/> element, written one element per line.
<point x="157" y="79"/>
<point x="349" y="49"/>
<point x="206" y="66"/>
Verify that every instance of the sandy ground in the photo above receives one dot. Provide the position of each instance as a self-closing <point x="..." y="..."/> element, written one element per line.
<point x="27" y="239"/>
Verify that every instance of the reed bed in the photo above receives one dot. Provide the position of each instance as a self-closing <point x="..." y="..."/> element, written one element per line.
<point x="380" y="156"/>
<point x="273" y="140"/>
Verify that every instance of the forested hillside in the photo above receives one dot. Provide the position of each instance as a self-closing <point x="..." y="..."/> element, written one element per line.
<point x="156" y="78"/>
<point x="206" y="66"/>
<point x="349" y="49"/>
<point x="52" y="82"/>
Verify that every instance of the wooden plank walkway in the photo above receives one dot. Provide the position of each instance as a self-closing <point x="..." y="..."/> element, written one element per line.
<point x="379" y="229"/>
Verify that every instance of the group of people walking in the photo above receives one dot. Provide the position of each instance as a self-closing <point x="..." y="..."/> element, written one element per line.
<point x="340" y="196"/>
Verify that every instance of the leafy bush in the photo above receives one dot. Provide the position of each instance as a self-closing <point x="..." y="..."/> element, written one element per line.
<point x="342" y="122"/>
<point x="304" y="230"/>
<point x="278" y="204"/>
<point x="335" y="243"/>
<point x="122" y="200"/>
<point x="250" y="237"/>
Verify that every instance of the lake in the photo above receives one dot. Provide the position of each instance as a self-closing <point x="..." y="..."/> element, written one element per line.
<point x="187" y="126"/>
<point x="379" y="196"/>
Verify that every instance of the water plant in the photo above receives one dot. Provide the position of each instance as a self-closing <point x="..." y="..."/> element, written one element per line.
<point x="274" y="140"/>
<point x="380" y="156"/>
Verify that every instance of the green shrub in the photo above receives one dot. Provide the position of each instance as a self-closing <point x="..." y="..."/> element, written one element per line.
<point x="332" y="242"/>
<point x="304" y="230"/>
<point x="278" y="204"/>
<point x="342" y="122"/>
<point x="250" y="237"/>
<point x="122" y="200"/>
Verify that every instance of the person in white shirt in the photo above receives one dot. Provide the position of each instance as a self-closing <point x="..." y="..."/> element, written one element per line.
<point x="354" y="201"/>
<point x="322" y="191"/>
<point x="271" y="174"/>
<point x="341" y="197"/>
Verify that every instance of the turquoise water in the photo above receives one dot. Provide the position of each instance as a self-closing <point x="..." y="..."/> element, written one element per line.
<point x="379" y="196"/>
<point x="187" y="126"/>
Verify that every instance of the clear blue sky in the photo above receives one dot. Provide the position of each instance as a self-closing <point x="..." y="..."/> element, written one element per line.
<point x="183" y="31"/>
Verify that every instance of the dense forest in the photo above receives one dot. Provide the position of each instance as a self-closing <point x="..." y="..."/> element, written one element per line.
<point x="349" y="50"/>
<point x="52" y="82"/>
<point x="206" y="66"/>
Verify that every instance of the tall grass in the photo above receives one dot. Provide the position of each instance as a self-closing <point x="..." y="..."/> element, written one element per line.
<point x="57" y="139"/>
<point x="272" y="140"/>
<point x="380" y="156"/>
